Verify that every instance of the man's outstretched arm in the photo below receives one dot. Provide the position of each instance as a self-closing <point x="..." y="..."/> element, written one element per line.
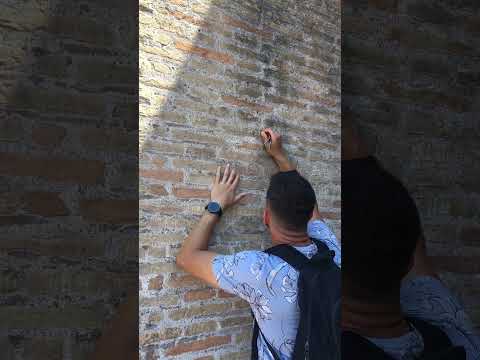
<point x="194" y="256"/>
<point x="274" y="148"/>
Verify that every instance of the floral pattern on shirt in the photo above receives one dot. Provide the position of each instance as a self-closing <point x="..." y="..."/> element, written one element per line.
<point x="270" y="286"/>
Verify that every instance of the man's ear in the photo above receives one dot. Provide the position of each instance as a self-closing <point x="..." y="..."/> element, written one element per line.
<point x="266" y="217"/>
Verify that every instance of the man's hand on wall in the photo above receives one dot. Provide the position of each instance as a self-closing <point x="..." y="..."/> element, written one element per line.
<point x="273" y="146"/>
<point x="224" y="187"/>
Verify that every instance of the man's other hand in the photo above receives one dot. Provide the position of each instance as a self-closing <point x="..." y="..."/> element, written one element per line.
<point x="223" y="188"/>
<point x="272" y="143"/>
<point x="273" y="146"/>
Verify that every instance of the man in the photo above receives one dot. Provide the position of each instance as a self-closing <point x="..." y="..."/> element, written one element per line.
<point x="382" y="244"/>
<point x="267" y="282"/>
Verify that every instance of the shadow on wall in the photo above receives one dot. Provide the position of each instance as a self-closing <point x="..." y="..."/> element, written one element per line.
<point x="414" y="100"/>
<point x="68" y="158"/>
<point x="212" y="75"/>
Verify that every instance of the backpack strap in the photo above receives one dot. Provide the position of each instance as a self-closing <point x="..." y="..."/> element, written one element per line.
<point x="354" y="344"/>
<point x="295" y="258"/>
<point x="256" y="329"/>
<point x="433" y="337"/>
<point x="256" y="332"/>
<point x="298" y="261"/>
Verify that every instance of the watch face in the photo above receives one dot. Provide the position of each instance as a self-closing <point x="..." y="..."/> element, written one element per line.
<point x="213" y="207"/>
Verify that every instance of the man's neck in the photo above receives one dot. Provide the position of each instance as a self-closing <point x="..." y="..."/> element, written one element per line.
<point x="383" y="320"/>
<point x="289" y="237"/>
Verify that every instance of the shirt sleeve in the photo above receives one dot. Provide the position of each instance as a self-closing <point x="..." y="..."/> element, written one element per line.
<point x="240" y="273"/>
<point x="427" y="298"/>
<point x="319" y="230"/>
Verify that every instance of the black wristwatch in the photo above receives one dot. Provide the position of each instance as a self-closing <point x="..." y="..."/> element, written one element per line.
<point x="214" y="208"/>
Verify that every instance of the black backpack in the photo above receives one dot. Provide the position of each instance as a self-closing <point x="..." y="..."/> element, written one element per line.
<point x="437" y="345"/>
<point x="318" y="335"/>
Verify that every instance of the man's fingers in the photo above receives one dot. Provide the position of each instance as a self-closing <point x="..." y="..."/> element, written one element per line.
<point x="231" y="178"/>
<point x="226" y="173"/>
<point x="217" y="175"/>
<point x="235" y="181"/>
<point x="264" y="136"/>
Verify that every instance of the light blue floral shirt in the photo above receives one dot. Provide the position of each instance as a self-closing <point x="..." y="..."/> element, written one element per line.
<point x="427" y="298"/>
<point x="270" y="286"/>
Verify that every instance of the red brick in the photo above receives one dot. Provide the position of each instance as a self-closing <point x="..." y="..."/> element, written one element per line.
<point x="72" y="171"/>
<point x="162" y="174"/>
<point x="167" y="209"/>
<point x="48" y="135"/>
<point x="203" y="294"/>
<point x="243" y="103"/>
<point x="110" y="211"/>
<point x="205" y="53"/>
<point x="223" y="294"/>
<point x="191" y="193"/>
<point x="44" y="203"/>
<point x="198" y="345"/>
<point x="190" y="19"/>
<point x="156" y="283"/>
<point x="247" y="27"/>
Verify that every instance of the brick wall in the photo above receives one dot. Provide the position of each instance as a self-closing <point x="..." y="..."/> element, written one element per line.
<point x="410" y="80"/>
<point x="212" y="74"/>
<point x="68" y="167"/>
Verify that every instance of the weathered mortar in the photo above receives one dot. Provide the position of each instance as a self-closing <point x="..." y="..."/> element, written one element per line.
<point x="212" y="74"/>
<point x="410" y="80"/>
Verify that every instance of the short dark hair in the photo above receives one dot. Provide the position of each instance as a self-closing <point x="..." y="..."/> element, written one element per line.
<point x="291" y="199"/>
<point x="380" y="228"/>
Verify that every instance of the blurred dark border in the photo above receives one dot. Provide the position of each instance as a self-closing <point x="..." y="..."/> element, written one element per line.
<point x="411" y="85"/>
<point x="68" y="176"/>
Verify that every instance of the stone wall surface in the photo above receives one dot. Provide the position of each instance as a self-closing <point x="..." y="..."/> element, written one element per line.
<point x="212" y="74"/>
<point x="410" y="80"/>
<point x="68" y="167"/>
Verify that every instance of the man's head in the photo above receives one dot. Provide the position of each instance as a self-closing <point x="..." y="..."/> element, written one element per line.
<point x="290" y="203"/>
<point x="380" y="230"/>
